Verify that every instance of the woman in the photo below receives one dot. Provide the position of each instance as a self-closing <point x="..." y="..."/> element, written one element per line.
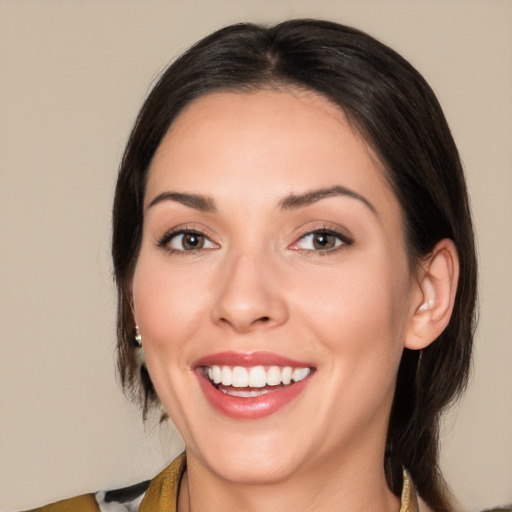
<point x="296" y="273"/>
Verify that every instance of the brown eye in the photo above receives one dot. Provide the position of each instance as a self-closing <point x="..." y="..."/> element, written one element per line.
<point x="322" y="241"/>
<point x="187" y="241"/>
<point x="191" y="241"/>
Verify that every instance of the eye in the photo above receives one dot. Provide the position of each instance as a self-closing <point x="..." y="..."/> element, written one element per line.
<point x="322" y="240"/>
<point x="186" y="241"/>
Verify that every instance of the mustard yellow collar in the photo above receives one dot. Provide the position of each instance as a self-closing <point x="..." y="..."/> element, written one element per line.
<point x="162" y="493"/>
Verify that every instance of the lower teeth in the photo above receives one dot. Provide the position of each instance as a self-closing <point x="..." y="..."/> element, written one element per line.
<point x="244" y="393"/>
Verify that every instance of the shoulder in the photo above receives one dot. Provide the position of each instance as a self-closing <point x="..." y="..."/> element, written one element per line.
<point x="84" y="503"/>
<point x="157" y="494"/>
<point x="126" y="499"/>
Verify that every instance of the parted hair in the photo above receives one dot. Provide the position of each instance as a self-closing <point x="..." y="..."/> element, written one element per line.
<point x="390" y="104"/>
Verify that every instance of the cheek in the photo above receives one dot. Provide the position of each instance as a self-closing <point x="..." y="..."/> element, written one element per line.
<point x="367" y="292"/>
<point x="359" y="311"/>
<point x="361" y="327"/>
<point x="167" y="305"/>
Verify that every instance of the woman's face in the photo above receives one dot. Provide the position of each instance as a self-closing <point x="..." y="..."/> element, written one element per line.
<point x="272" y="250"/>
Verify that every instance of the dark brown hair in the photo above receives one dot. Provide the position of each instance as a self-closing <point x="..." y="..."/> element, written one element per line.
<point x="397" y="113"/>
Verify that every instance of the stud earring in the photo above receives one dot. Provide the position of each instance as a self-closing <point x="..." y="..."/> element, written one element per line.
<point x="426" y="305"/>
<point x="138" y="337"/>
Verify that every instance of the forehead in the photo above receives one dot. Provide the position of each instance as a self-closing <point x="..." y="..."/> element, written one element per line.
<point x="265" y="142"/>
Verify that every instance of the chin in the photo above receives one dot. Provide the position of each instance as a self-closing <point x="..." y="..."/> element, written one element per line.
<point x="251" y="470"/>
<point x="251" y="461"/>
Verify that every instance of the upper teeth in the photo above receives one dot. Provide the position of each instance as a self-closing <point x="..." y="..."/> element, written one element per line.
<point x="255" y="376"/>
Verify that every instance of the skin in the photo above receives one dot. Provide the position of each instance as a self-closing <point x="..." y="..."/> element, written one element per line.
<point x="259" y="284"/>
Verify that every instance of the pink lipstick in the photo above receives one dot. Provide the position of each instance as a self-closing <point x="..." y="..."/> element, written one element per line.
<point x="251" y="386"/>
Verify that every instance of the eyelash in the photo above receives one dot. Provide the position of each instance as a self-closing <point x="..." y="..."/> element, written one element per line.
<point x="164" y="241"/>
<point x="344" y="240"/>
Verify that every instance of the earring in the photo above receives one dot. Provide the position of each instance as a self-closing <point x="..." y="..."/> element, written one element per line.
<point x="138" y="337"/>
<point x="426" y="305"/>
<point x="139" y="353"/>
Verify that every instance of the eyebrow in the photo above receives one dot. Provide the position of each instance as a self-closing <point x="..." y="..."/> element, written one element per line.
<point x="292" y="201"/>
<point x="298" y="201"/>
<point x="196" y="201"/>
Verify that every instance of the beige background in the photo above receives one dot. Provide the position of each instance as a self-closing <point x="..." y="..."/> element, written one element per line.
<point x="72" y="77"/>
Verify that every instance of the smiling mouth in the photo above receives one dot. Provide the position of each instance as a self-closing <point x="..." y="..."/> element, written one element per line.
<point x="253" y="381"/>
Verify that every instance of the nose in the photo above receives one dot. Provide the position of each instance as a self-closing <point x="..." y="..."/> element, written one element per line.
<point x="250" y="295"/>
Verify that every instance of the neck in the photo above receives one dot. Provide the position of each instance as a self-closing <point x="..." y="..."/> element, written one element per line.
<point x="334" y="487"/>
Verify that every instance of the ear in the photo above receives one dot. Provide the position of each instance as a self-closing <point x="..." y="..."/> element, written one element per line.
<point x="433" y="301"/>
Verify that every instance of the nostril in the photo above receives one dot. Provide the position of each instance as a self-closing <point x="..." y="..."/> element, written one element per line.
<point x="264" y="319"/>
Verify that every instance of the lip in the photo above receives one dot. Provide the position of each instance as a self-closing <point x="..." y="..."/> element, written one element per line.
<point x="250" y="408"/>
<point x="249" y="359"/>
